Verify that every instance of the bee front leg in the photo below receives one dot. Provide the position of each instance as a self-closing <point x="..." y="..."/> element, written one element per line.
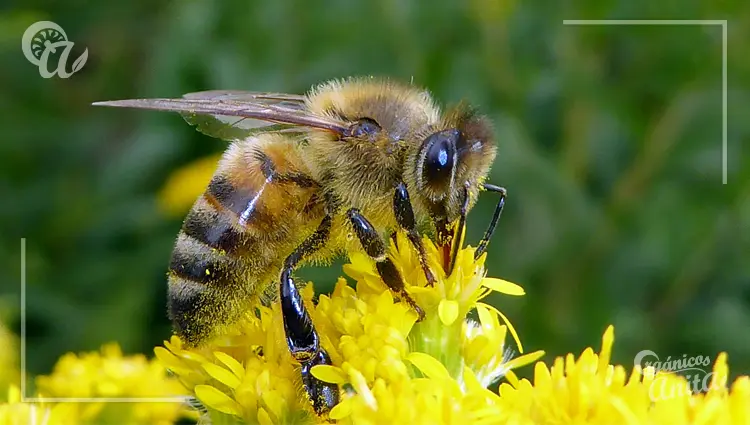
<point x="458" y="241"/>
<point x="374" y="246"/>
<point x="301" y="337"/>
<point x="405" y="219"/>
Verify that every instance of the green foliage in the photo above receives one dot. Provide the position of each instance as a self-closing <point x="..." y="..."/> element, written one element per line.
<point x="610" y="146"/>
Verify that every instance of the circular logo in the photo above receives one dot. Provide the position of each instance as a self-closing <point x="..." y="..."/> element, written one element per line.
<point x="42" y="39"/>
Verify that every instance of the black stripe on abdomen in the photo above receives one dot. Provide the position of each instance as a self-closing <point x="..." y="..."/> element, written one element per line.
<point x="242" y="201"/>
<point x="196" y="262"/>
<point x="212" y="228"/>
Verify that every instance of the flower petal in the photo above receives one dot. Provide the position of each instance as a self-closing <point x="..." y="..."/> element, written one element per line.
<point x="511" y="378"/>
<point x="341" y="410"/>
<point x="327" y="373"/>
<point x="471" y="381"/>
<point x="359" y="383"/>
<point x="524" y="360"/>
<point x="167" y="359"/>
<point x="428" y="365"/>
<point x="264" y="418"/>
<point x="507" y="323"/>
<point x="222" y="375"/>
<point x="503" y="286"/>
<point x="448" y="311"/>
<point x="230" y="362"/>
<point x="217" y="400"/>
<point x="606" y="352"/>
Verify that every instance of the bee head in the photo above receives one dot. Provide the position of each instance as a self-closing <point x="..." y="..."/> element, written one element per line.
<point x="457" y="155"/>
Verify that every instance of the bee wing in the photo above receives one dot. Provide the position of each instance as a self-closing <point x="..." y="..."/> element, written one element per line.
<point x="294" y="101"/>
<point x="233" y="128"/>
<point x="235" y="115"/>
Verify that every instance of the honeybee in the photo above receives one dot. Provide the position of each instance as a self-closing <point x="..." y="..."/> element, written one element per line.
<point x="310" y="177"/>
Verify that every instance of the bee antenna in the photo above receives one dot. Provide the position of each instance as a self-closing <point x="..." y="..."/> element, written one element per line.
<point x="495" y="217"/>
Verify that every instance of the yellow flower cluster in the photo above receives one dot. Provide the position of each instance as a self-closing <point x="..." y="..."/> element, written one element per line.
<point x="185" y="185"/>
<point x="15" y="411"/>
<point x="391" y="368"/>
<point x="105" y="374"/>
<point x="8" y="360"/>
<point x="247" y="375"/>
<point x="589" y="390"/>
<point x="434" y="371"/>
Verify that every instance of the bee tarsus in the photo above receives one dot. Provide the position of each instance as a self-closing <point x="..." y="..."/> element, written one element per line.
<point x="324" y="396"/>
<point x="304" y="345"/>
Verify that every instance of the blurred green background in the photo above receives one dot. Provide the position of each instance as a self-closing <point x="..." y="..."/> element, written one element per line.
<point x="610" y="144"/>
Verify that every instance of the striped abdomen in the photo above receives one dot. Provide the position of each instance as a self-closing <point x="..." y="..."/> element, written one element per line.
<point x="258" y="206"/>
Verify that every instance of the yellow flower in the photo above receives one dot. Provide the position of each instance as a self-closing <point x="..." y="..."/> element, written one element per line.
<point x="379" y="350"/>
<point x="589" y="390"/>
<point x="390" y="368"/>
<point x="8" y="360"/>
<point x="248" y="374"/>
<point x="109" y="374"/>
<point x="15" y="412"/>
<point x="185" y="185"/>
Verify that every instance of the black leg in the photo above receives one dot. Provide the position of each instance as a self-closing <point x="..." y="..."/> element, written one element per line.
<point x="405" y="219"/>
<point x="444" y="237"/>
<point x="375" y="247"/>
<point x="324" y="396"/>
<point x="495" y="217"/>
<point x="301" y="337"/>
<point x="458" y="240"/>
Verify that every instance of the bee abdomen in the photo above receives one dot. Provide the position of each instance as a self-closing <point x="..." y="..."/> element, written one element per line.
<point x="212" y="228"/>
<point x="192" y="260"/>
<point x="186" y="302"/>
<point x="257" y="208"/>
<point x="243" y="200"/>
<point x="199" y="275"/>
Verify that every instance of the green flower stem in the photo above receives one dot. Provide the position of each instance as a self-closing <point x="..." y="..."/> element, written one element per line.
<point x="432" y="337"/>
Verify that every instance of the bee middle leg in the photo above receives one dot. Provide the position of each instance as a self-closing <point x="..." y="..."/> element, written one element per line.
<point x="405" y="219"/>
<point x="301" y="337"/>
<point x="374" y="246"/>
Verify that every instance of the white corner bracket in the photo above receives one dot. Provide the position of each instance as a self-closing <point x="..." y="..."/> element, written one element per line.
<point x="674" y="22"/>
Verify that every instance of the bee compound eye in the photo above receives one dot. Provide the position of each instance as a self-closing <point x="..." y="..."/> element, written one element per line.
<point x="439" y="156"/>
<point x="364" y="127"/>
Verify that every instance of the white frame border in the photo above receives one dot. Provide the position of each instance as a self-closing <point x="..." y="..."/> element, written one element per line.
<point x="25" y="399"/>
<point x="572" y="22"/>
<point x="714" y="22"/>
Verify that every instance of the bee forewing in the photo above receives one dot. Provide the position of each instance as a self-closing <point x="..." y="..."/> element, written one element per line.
<point x="235" y="119"/>
<point x="293" y="101"/>
<point x="231" y="128"/>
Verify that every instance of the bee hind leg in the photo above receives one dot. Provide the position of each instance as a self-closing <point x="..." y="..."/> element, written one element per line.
<point x="405" y="219"/>
<point x="301" y="337"/>
<point x="374" y="246"/>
